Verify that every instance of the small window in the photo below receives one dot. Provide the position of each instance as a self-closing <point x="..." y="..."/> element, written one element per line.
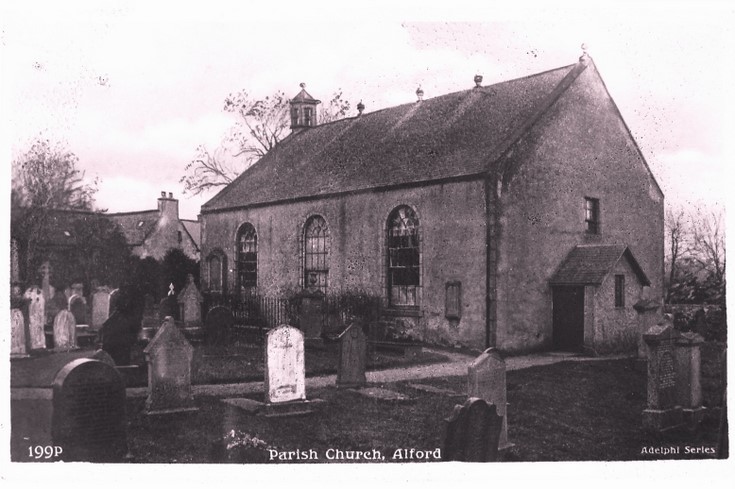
<point x="619" y="290"/>
<point x="294" y="116"/>
<point x="180" y="237"/>
<point x="307" y="116"/>
<point x="453" y="300"/>
<point x="592" y="215"/>
<point x="140" y="224"/>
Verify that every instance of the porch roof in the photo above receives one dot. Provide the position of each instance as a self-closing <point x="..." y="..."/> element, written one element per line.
<point x="590" y="264"/>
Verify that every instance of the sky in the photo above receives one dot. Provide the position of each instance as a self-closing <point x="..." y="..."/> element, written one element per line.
<point x="134" y="88"/>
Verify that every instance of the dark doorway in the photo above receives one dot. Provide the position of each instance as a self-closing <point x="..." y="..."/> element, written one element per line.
<point x="568" y="319"/>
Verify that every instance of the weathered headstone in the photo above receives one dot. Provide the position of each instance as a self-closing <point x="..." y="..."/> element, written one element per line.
<point x="18" y="347"/>
<point x="78" y="289"/>
<point x="190" y="304"/>
<point x="169" y="357"/>
<point x="648" y="316"/>
<point x="113" y="299"/>
<point x="36" y="318"/>
<point x="662" y="410"/>
<point x="100" y="306"/>
<point x="45" y="271"/>
<point x="103" y="356"/>
<point x="311" y="313"/>
<point x="486" y="380"/>
<point x="88" y="420"/>
<point x="65" y="331"/>
<point x="78" y="307"/>
<point x="168" y="307"/>
<point x="284" y="365"/>
<point x="218" y="325"/>
<point x="689" y="378"/>
<point x="472" y="432"/>
<point x="119" y="333"/>
<point x="352" y="357"/>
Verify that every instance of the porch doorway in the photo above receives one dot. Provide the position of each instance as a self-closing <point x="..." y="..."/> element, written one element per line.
<point x="568" y="318"/>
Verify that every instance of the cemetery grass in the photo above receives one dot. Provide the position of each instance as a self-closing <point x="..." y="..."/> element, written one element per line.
<point x="239" y="361"/>
<point x="570" y="411"/>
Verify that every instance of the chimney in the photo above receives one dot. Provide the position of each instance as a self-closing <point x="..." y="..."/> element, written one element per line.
<point x="168" y="208"/>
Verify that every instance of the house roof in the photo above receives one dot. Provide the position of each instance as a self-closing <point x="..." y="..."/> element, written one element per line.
<point x="194" y="230"/>
<point x="136" y="226"/>
<point x="455" y="135"/>
<point x="61" y="223"/>
<point x="590" y="264"/>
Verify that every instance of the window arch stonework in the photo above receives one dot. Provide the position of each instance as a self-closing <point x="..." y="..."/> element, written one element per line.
<point x="403" y="257"/>
<point x="316" y="254"/>
<point x="247" y="259"/>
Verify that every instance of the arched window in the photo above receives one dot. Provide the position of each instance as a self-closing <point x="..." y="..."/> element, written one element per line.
<point x="247" y="259"/>
<point x="403" y="257"/>
<point x="216" y="271"/>
<point x="316" y="253"/>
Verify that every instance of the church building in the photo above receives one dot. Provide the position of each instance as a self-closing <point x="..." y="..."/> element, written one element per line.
<point x="520" y="215"/>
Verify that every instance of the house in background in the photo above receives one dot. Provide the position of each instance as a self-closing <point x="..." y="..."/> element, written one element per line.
<point x="153" y="232"/>
<point x="520" y="215"/>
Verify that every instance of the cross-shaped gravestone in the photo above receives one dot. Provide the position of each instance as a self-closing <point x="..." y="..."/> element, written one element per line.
<point x="352" y="357"/>
<point x="472" y="432"/>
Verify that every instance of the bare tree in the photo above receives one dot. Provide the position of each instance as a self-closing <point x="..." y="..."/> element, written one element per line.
<point x="708" y="244"/>
<point x="44" y="179"/>
<point x="261" y="125"/>
<point x="677" y="243"/>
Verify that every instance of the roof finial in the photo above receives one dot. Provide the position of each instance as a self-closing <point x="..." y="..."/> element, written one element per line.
<point x="302" y="85"/>
<point x="585" y="55"/>
<point x="419" y="94"/>
<point x="360" y="107"/>
<point x="478" y="81"/>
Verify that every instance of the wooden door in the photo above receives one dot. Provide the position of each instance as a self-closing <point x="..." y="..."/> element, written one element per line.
<point x="568" y="318"/>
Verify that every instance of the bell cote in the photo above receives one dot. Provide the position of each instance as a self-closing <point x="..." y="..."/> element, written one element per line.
<point x="303" y="110"/>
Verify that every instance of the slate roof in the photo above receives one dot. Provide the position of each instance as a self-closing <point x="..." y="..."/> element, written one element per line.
<point x="590" y="264"/>
<point x="194" y="230"/>
<point x="61" y="224"/>
<point x="454" y="135"/>
<point x="136" y="226"/>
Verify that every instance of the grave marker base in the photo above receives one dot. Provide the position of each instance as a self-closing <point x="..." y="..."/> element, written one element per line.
<point x="160" y="412"/>
<point x="693" y="417"/>
<point x="662" y="419"/>
<point x="282" y="409"/>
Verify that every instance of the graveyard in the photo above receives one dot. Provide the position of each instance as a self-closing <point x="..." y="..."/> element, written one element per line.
<point x="162" y="389"/>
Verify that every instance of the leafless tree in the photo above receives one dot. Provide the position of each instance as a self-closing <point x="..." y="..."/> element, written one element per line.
<point x="708" y="243"/>
<point x="677" y="243"/>
<point x="261" y="125"/>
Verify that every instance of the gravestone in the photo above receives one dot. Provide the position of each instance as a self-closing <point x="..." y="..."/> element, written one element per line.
<point x="78" y="289"/>
<point x="65" y="331"/>
<point x="284" y="365"/>
<point x="352" y="357"/>
<point x="190" y="304"/>
<point x="169" y="357"/>
<point x="311" y="313"/>
<point x="100" y="306"/>
<point x="45" y="271"/>
<point x="486" y="380"/>
<point x="78" y="307"/>
<point x="662" y="411"/>
<point x="36" y="318"/>
<point x="218" y="325"/>
<point x="114" y="297"/>
<point x="103" y="356"/>
<point x="119" y="333"/>
<point x="648" y="316"/>
<point x="168" y="307"/>
<point x="18" y="348"/>
<point x="472" y="432"/>
<point x="88" y="420"/>
<point x="689" y="378"/>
